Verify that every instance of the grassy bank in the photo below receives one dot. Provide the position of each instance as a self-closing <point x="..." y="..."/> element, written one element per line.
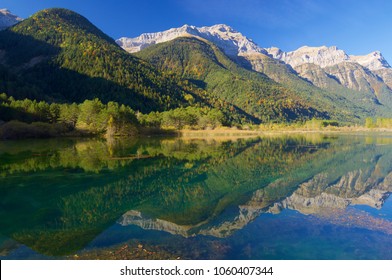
<point x="22" y="130"/>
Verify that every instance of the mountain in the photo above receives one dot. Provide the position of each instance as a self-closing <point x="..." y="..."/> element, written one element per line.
<point x="320" y="89"/>
<point x="328" y="56"/>
<point x="377" y="64"/>
<point x="8" y="19"/>
<point x="58" y="55"/>
<point x="229" y="40"/>
<point x="322" y="56"/>
<point x="315" y="85"/>
<point x="373" y="61"/>
<point x="206" y="61"/>
<point x="359" y="73"/>
<point x="221" y="80"/>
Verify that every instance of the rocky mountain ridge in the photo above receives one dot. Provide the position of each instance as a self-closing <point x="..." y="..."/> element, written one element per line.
<point x="366" y="73"/>
<point x="229" y="40"/>
<point x="328" y="56"/>
<point x="233" y="42"/>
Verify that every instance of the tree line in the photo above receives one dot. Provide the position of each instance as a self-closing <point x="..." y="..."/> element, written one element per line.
<point x="378" y="123"/>
<point x="32" y="118"/>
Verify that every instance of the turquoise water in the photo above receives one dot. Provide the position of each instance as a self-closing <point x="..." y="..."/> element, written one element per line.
<point x="281" y="197"/>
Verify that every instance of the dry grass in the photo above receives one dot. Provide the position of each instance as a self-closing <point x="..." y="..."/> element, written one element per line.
<point x="226" y="132"/>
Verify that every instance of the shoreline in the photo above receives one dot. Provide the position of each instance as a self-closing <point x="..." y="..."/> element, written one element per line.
<point x="220" y="132"/>
<point x="259" y="132"/>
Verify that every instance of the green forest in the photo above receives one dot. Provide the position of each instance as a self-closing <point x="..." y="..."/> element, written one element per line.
<point x="34" y="119"/>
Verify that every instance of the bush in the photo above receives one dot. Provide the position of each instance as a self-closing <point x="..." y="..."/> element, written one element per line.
<point x="21" y="130"/>
<point x="330" y="123"/>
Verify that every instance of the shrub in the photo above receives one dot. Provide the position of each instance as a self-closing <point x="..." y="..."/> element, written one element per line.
<point x="21" y="130"/>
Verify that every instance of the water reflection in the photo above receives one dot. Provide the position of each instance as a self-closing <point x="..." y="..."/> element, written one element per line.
<point x="59" y="196"/>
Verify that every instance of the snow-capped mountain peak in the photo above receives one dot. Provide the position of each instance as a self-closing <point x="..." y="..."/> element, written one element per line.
<point x="7" y="19"/>
<point x="229" y="40"/>
<point x="328" y="56"/>
<point x="322" y="56"/>
<point x="372" y="61"/>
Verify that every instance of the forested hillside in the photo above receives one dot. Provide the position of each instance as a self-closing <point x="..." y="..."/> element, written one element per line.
<point x="58" y="55"/>
<point x="222" y="80"/>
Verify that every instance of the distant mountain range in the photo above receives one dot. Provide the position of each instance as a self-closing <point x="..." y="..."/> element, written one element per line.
<point x="369" y="73"/>
<point x="213" y="66"/>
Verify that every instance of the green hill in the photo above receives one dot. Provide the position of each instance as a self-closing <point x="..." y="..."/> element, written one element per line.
<point x="233" y="80"/>
<point x="220" y="80"/>
<point x="58" y="55"/>
<point x="341" y="102"/>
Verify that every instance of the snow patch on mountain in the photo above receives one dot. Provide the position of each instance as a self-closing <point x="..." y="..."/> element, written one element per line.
<point x="8" y="19"/>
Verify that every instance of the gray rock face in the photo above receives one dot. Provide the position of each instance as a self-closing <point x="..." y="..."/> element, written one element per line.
<point x="386" y="75"/>
<point x="316" y="75"/>
<point x="321" y="56"/>
<point x="354" y="76"/>
<point x="328" y="56"/>
<point x="8" y="19"/>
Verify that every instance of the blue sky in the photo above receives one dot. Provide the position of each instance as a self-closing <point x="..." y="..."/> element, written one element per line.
<point x="358" y="27"/>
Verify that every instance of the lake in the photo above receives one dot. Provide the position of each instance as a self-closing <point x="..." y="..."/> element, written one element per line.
<point x="318" y="196"/>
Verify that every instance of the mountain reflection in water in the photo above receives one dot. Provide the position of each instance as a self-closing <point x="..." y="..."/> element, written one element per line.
<point x="65" y="197"/>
